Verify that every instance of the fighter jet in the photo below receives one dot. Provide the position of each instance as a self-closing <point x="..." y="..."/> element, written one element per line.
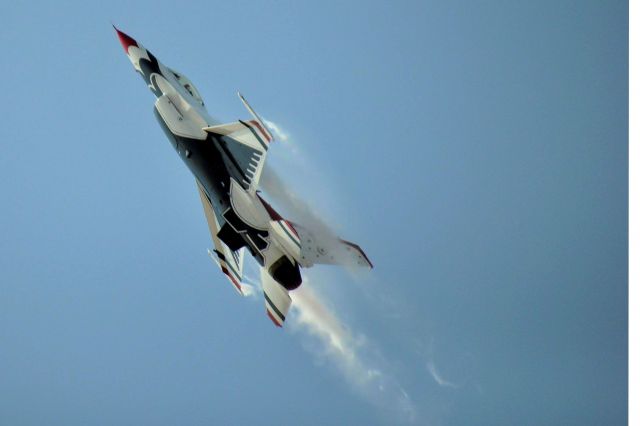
<point x="227" y="160"/>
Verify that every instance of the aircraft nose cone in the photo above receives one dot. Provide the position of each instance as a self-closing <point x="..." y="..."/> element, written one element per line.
<point x="125" y="40"/>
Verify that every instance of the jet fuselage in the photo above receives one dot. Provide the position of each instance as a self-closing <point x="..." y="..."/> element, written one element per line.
<point x="206" y="155"/>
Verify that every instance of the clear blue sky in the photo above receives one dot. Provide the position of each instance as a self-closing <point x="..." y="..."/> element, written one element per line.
<point x="476" y="150"/>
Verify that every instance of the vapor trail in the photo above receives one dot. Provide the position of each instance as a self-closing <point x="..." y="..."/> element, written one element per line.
<point x="347" y="352"/>
<point x="438" y="377"/>
<point x="294" y="206"/>
<point x="312" y="317"/>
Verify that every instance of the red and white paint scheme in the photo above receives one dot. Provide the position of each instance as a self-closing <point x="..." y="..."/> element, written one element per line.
<point x="227" y="160"/>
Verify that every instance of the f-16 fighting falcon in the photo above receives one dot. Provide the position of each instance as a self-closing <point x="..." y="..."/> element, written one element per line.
<point x="227" y="161"/>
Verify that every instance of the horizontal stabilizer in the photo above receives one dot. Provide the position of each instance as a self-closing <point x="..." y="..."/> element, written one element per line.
<point x="276" y="299"/>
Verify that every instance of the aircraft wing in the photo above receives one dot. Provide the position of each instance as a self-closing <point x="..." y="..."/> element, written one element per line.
<point x="318" y="248"/>
<point x="230" y="262"/>
<point x="248" y="142"/>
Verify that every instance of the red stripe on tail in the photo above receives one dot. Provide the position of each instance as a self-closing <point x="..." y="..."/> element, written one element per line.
<point x="259" y="126"/>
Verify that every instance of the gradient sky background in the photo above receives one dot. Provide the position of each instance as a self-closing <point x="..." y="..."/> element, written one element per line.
<point x="476" y="150"/>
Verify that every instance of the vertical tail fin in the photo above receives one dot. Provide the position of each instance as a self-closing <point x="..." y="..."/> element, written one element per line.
<point x="255" y="115"/>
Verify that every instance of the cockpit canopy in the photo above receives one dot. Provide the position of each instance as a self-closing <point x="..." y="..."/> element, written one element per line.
<point x="189" y="87"/>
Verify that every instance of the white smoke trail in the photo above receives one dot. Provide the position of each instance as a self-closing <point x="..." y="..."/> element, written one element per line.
<point x="433" y="370"/>
<point x="346" y="350"/>
<point x="299" y="210"/>
<point x="277" y="131"/>
<point x="431" y="366"/>
<point x="322" y="330"/>
<point x="250" y="287"/>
